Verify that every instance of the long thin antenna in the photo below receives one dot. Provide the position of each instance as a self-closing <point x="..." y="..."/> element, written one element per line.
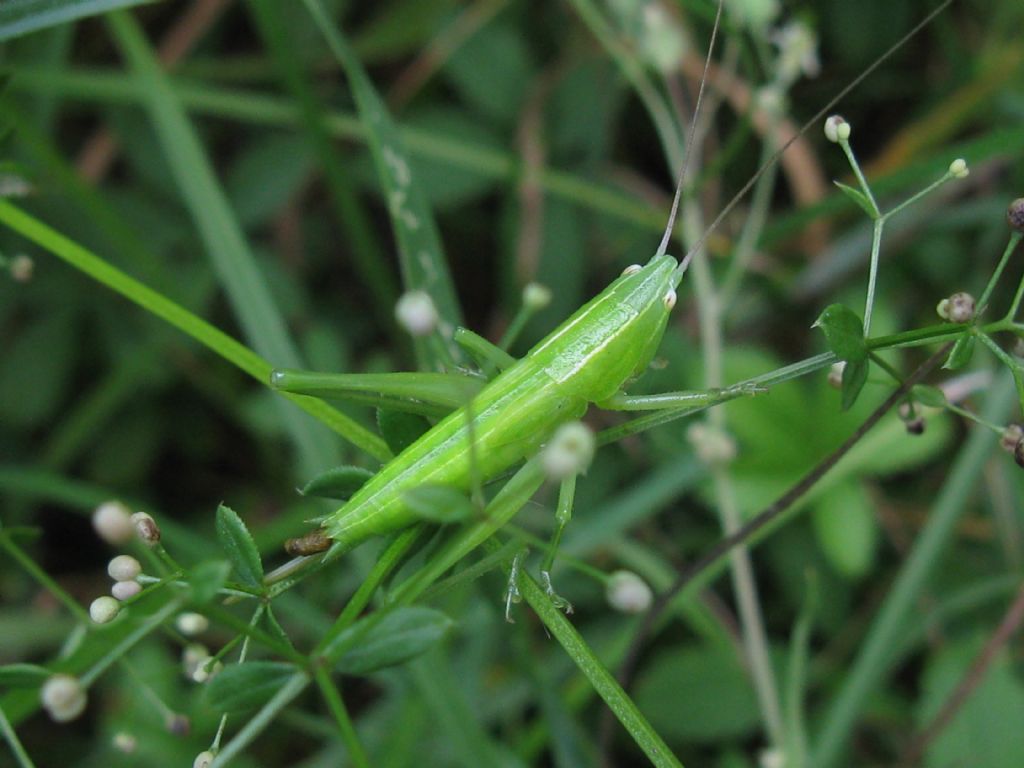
<point x="803" y="129"/>
<point x="671" y="225"/>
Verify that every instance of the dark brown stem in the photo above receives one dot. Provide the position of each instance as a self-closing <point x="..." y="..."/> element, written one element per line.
<point x="969" y="682"/>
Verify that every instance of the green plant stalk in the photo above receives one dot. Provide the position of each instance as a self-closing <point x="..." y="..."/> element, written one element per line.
<point x="385" y="564"/>
<point x="600" y="678"/>
<point x="420" y="253"/>
<point x="457" y="721"/>
<point x="366" y="249"/>
<point x="796" y="679"/>
<point x="1015" y="239"/>
<point x="232" y="104"/>
<point x="11" y="737"/>
<point x="876" y="252"/>
<point x="44" y="579"/>
<point x="336" y="705"/>
<point x="876" y="657"/>
<point x="1014" y="366"/>
<point x="150" y="625"/>
<point x="287" y="693"/>
<point x="207" y="335"/>
<point x="754" y="636"/>
<point x="653" y="101"/>
<point x="225" y="243"/>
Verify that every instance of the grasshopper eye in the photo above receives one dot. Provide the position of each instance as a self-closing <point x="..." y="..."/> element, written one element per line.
<point x="632" y="269"/>
<point x="670" y="299"/>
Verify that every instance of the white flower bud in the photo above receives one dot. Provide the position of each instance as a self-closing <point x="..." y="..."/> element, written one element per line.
<point x="628" y="593"/>
<point x="125" y="743"/>
<point x="713" y="445"/>
<point x="21" y="267"/>
<point x="192" y="623"/>
<point x="177" y="724"/>
<point x="192" y="656"/>
<point x="416" y="313"/>
<point x="63" y="698"/>
<point x="104" y="609"/>
<point x="837" y="129"/>
<point x="835" y="374"/>
<point x="124" y="568"/>
<point x="942" y="309"/>
<point x="958" y="169"/>
<point x="206" y="670"/>
<point x="961" y="308"/>
<point x="112" y="522"/>
<point x="146" y="529"/>
<point x="1012" y="434"/>
<point x="203" y="759"/>
<point x="772" y="758"/>
<point x="125" y="590"/>
<point x="536" y="296"/>
<point x="569" y="452"/>
<point x="1015" y="215"/>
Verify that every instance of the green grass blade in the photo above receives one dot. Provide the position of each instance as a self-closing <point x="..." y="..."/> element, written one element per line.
<point x="216" y="340"/>
<point x="883" y="640"/>
<point x="364" y="246"/>
<point x="419" y="246"/>
<point x="92" y="85"/>
<point x="233" y="261"/>
<point x="19" y="17"/>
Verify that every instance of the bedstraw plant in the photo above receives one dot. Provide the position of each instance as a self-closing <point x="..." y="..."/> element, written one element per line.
<point x="517" y="553"/>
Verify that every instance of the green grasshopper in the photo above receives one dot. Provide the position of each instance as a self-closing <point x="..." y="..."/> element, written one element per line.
<point x="587" y="360"/>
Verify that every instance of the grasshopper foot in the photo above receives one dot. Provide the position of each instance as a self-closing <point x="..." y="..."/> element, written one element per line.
<point x="746" y="389"/>
<point x="512" y="594"/>
<point x="557" y="600"/>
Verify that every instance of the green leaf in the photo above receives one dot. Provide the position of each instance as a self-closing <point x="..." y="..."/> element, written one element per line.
<point x="337" y="483"/>
<point x="674" y="686"/>
<point x="403" y="634"/>
<point x="855" y="376"/>
<point x="238" y="545"/>
<point x="19" y="17"/>
<point x="844" y="332"/>
<point x="845" y="525"/>
<point x="929" y="396"/>
<point x="961" y="353"/>
<point x="22" y="675"/>
<point x="246" y="686"/>
<point x="23" y="534"/>
<point x="438" y="503"/>
<point x="400" y="430"/>
<point x="206" y="579"/>
<point x="986" y="729"/>
<point x="858" y="197"/>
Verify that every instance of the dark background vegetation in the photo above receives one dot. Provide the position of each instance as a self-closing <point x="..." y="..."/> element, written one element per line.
<point x="99" y="400"/>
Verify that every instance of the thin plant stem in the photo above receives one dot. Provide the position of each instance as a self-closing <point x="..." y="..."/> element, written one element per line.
<point x="1011" y="314"/>
<point x="336" y="705"/>
<point x="287" y="693"/>
<point x="917" y="196"/>
<point x="1014" y="366"/>
<point x="11" y="737"/>
<point x="40" y="575"/>
<point x="876" y="250"/>
<point x="214" y="339"/>
<point x="864" y="186"/>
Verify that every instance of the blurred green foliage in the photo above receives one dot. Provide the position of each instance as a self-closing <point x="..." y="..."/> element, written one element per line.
<point x="539" y="164"/>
